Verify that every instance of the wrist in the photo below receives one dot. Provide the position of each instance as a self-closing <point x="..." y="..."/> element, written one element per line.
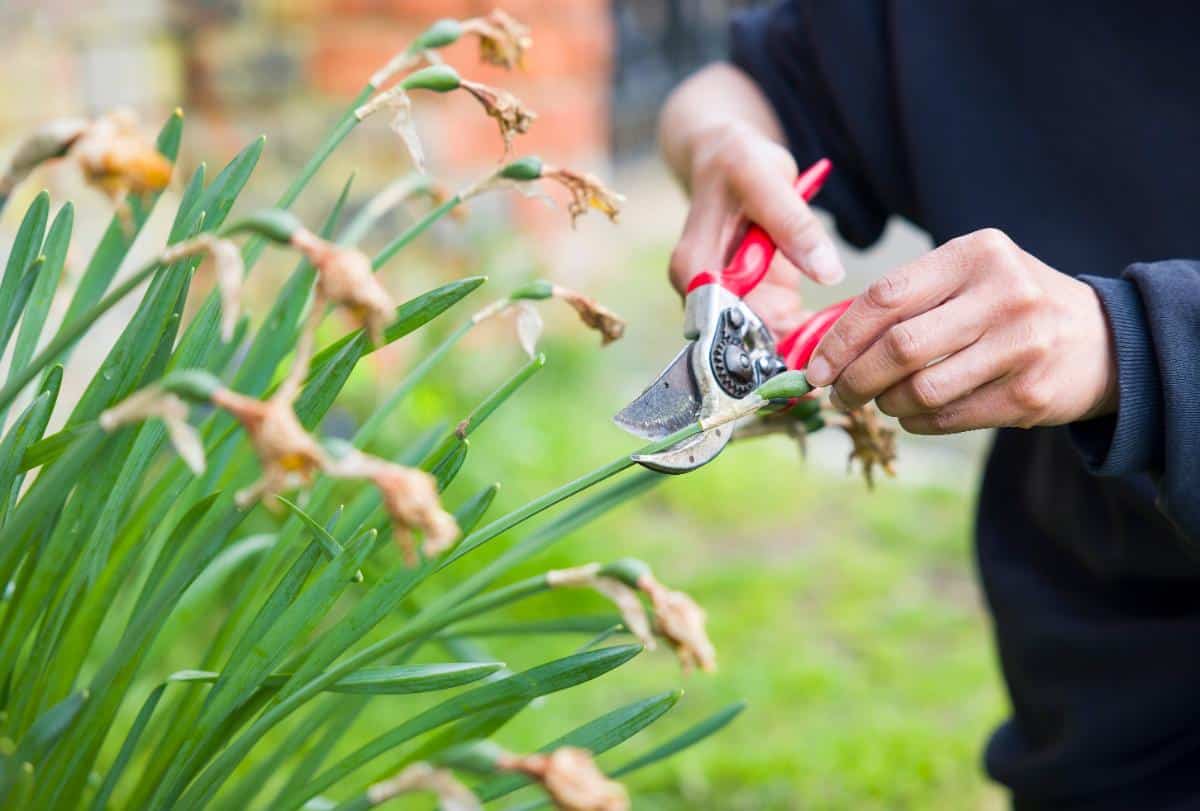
<point x="1108" y="387"/>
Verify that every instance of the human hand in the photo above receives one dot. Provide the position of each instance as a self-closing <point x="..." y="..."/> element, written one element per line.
<point x="975" y="334"/>
<point x="739" y="174"/>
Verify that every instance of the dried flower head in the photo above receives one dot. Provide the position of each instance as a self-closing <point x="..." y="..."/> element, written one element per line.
<point x="345" y="277"/>
<point x="681" y="621"/>
<point x="51" y="140"/>
<point x="633" y="613"/>
<point x="610" y="325"/>
<point x="570" y="777"/>
<point x="422" y="777"/>
<point x="512" y="116"/>
<point x="586" y="191"/>
<point x="503" y="41"/>
<point x="288" y="454"/>
<point x="411" y="499"/>
<point x="872" y="443"/>
<point x="119" y="158"/>
<point x="153" y="402"/>
<point x="229" y="269"/>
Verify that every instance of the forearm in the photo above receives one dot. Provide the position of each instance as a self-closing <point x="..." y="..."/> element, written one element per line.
<point x="715" y="99"/>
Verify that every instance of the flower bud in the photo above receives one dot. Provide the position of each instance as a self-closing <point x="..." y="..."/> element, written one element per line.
<point x="437" y="78"/>
<point x="525" y="169"/>
<point x="442" y="33"/>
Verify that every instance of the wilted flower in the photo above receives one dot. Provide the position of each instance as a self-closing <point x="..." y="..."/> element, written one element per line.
<point x="633" y="613"/>
<point x="452" y="795"/>
<point x="288" y="454"/>
<point x="610" y="325"/>
<point x="345" y="277"/>
<point x="227" y="262"/>
<point x="586" y="192"/>
<point x="153" y="402"/>
<point x="571" y="779"/>
<point x="51" y="140"/>
<point x="872" y="443"/>
<point x="681" y="621"/>
<point x="512" y="116"/>
<point x="411" y="499"/>
<point x="503" y="40"/>
<point x="112" y="151"/>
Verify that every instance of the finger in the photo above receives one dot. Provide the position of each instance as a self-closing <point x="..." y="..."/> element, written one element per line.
<point x="945" y="382"/>
<point x="910" y="346"/>
<point x="770" y="200"/>
<point x="989" y="406"/>
<point x="898" y="296"/>
<point x="710" y="222"/>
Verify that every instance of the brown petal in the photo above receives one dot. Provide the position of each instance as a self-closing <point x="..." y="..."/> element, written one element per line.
<point x="452" y="795"/>
<point x="345" y="277"/>
<point x="610" y="325"/>
<point x="872" y="443"/>
<point x="678" y="618"/>
<point x="502" y="40"/>
<point x="570" y="777"/>
<point x="586" y="192"/>
<point x="513" y="117"/>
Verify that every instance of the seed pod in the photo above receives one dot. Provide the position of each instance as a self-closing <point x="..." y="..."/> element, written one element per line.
<point x="442" y="33"/>
<point x="523" y="169"/>
<point x="438" y="78"/>
<point x="785" y="386"/>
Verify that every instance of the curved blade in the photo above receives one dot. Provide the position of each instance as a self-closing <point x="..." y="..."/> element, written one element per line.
<point x="669" y="403"/>
<point x="689" y="454"/>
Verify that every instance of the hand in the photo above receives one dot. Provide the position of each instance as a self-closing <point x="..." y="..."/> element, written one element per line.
<point x="975" y="334"/>
<point x="738" y="173"/>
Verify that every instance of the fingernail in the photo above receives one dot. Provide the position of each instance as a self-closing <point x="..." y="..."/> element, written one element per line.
<point x="818" y="371"/>
<point x="824" y="264"/>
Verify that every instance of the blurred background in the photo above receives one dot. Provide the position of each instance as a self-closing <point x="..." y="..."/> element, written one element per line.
<point x="849" y="619"/>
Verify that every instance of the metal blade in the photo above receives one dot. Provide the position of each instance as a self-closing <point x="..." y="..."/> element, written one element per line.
<point x="689" y="454"/>
<point x="668" y="404"/>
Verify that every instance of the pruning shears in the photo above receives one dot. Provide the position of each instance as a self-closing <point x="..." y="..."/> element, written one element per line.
<point x="730" y="352"/>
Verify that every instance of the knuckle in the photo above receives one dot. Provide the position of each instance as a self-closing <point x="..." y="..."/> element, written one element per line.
<point x="926" y="391"/>
<point x="886" y="291"/>
<point x="991" y="243"/>
<point x="1032" y="394"/>
<point x="945" y="420"/>
<point x="903" y="345"/>
<point x="1023" y="292"/>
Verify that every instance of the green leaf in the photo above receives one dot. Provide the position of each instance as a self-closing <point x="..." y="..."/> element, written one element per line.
<point x="473" y="509"/>
<point x="37" y="307"/>
<point x="449" y="465"/>
<point x="396" y="680"/>
<point x="26" y="430"/>
<point x="25" y="249"/>
<point x="49" y="728"/>
<point x="525" y="686"/>
<point x="593" y="624"/>
<point x="690" y="737"/>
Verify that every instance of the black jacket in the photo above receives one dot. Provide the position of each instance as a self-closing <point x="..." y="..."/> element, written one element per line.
<point x="1075" y="128"/>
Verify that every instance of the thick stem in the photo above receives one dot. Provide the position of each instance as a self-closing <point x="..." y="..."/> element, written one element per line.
<point x="399" y="243"/>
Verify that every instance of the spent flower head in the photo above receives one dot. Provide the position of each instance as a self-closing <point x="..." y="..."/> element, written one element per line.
<point x="571" y="778"/>
<point x="513" y="117"/>
<point x="503" y="41"/>
<point x="288" y="454"/>
<point x="592" y="313"/>
<point x="872" y="443"/>
<point x="410" y="497"/>
<point x="681" y="621"/>
<point x="587" y="192"/>
<point x="345" y="277"/>
<point x="422" y="777"/>
<point x="50" y="140"/>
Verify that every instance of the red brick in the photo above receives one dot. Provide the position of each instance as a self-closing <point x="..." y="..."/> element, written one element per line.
<point x="344" y="57"/>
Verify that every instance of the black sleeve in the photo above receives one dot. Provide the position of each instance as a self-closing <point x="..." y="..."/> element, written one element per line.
<point x="824" y="69"/>
<point x="1154" y="314"/>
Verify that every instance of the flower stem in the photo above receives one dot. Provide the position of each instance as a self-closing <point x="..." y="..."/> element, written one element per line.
<point x="415" y="230"/>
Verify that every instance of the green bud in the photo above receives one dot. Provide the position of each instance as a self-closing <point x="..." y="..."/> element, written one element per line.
<point x="814" y="423"/>
<point x="627" y="570"/>
<point x="438" y="78"/>
<point x="275" y="224"/>
<point x="191" y="384"/>
<point x="479" y="757"/>
<point x="536" y="290"/>
<point x="526" y="168"/>
<point x="785" y="386"/>
<point x="805" y="409"/>
<point x="442" y="33"/>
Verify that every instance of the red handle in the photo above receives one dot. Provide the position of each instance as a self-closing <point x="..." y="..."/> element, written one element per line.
<point x="798" y="346"/>
<point x="753" y="256"/>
